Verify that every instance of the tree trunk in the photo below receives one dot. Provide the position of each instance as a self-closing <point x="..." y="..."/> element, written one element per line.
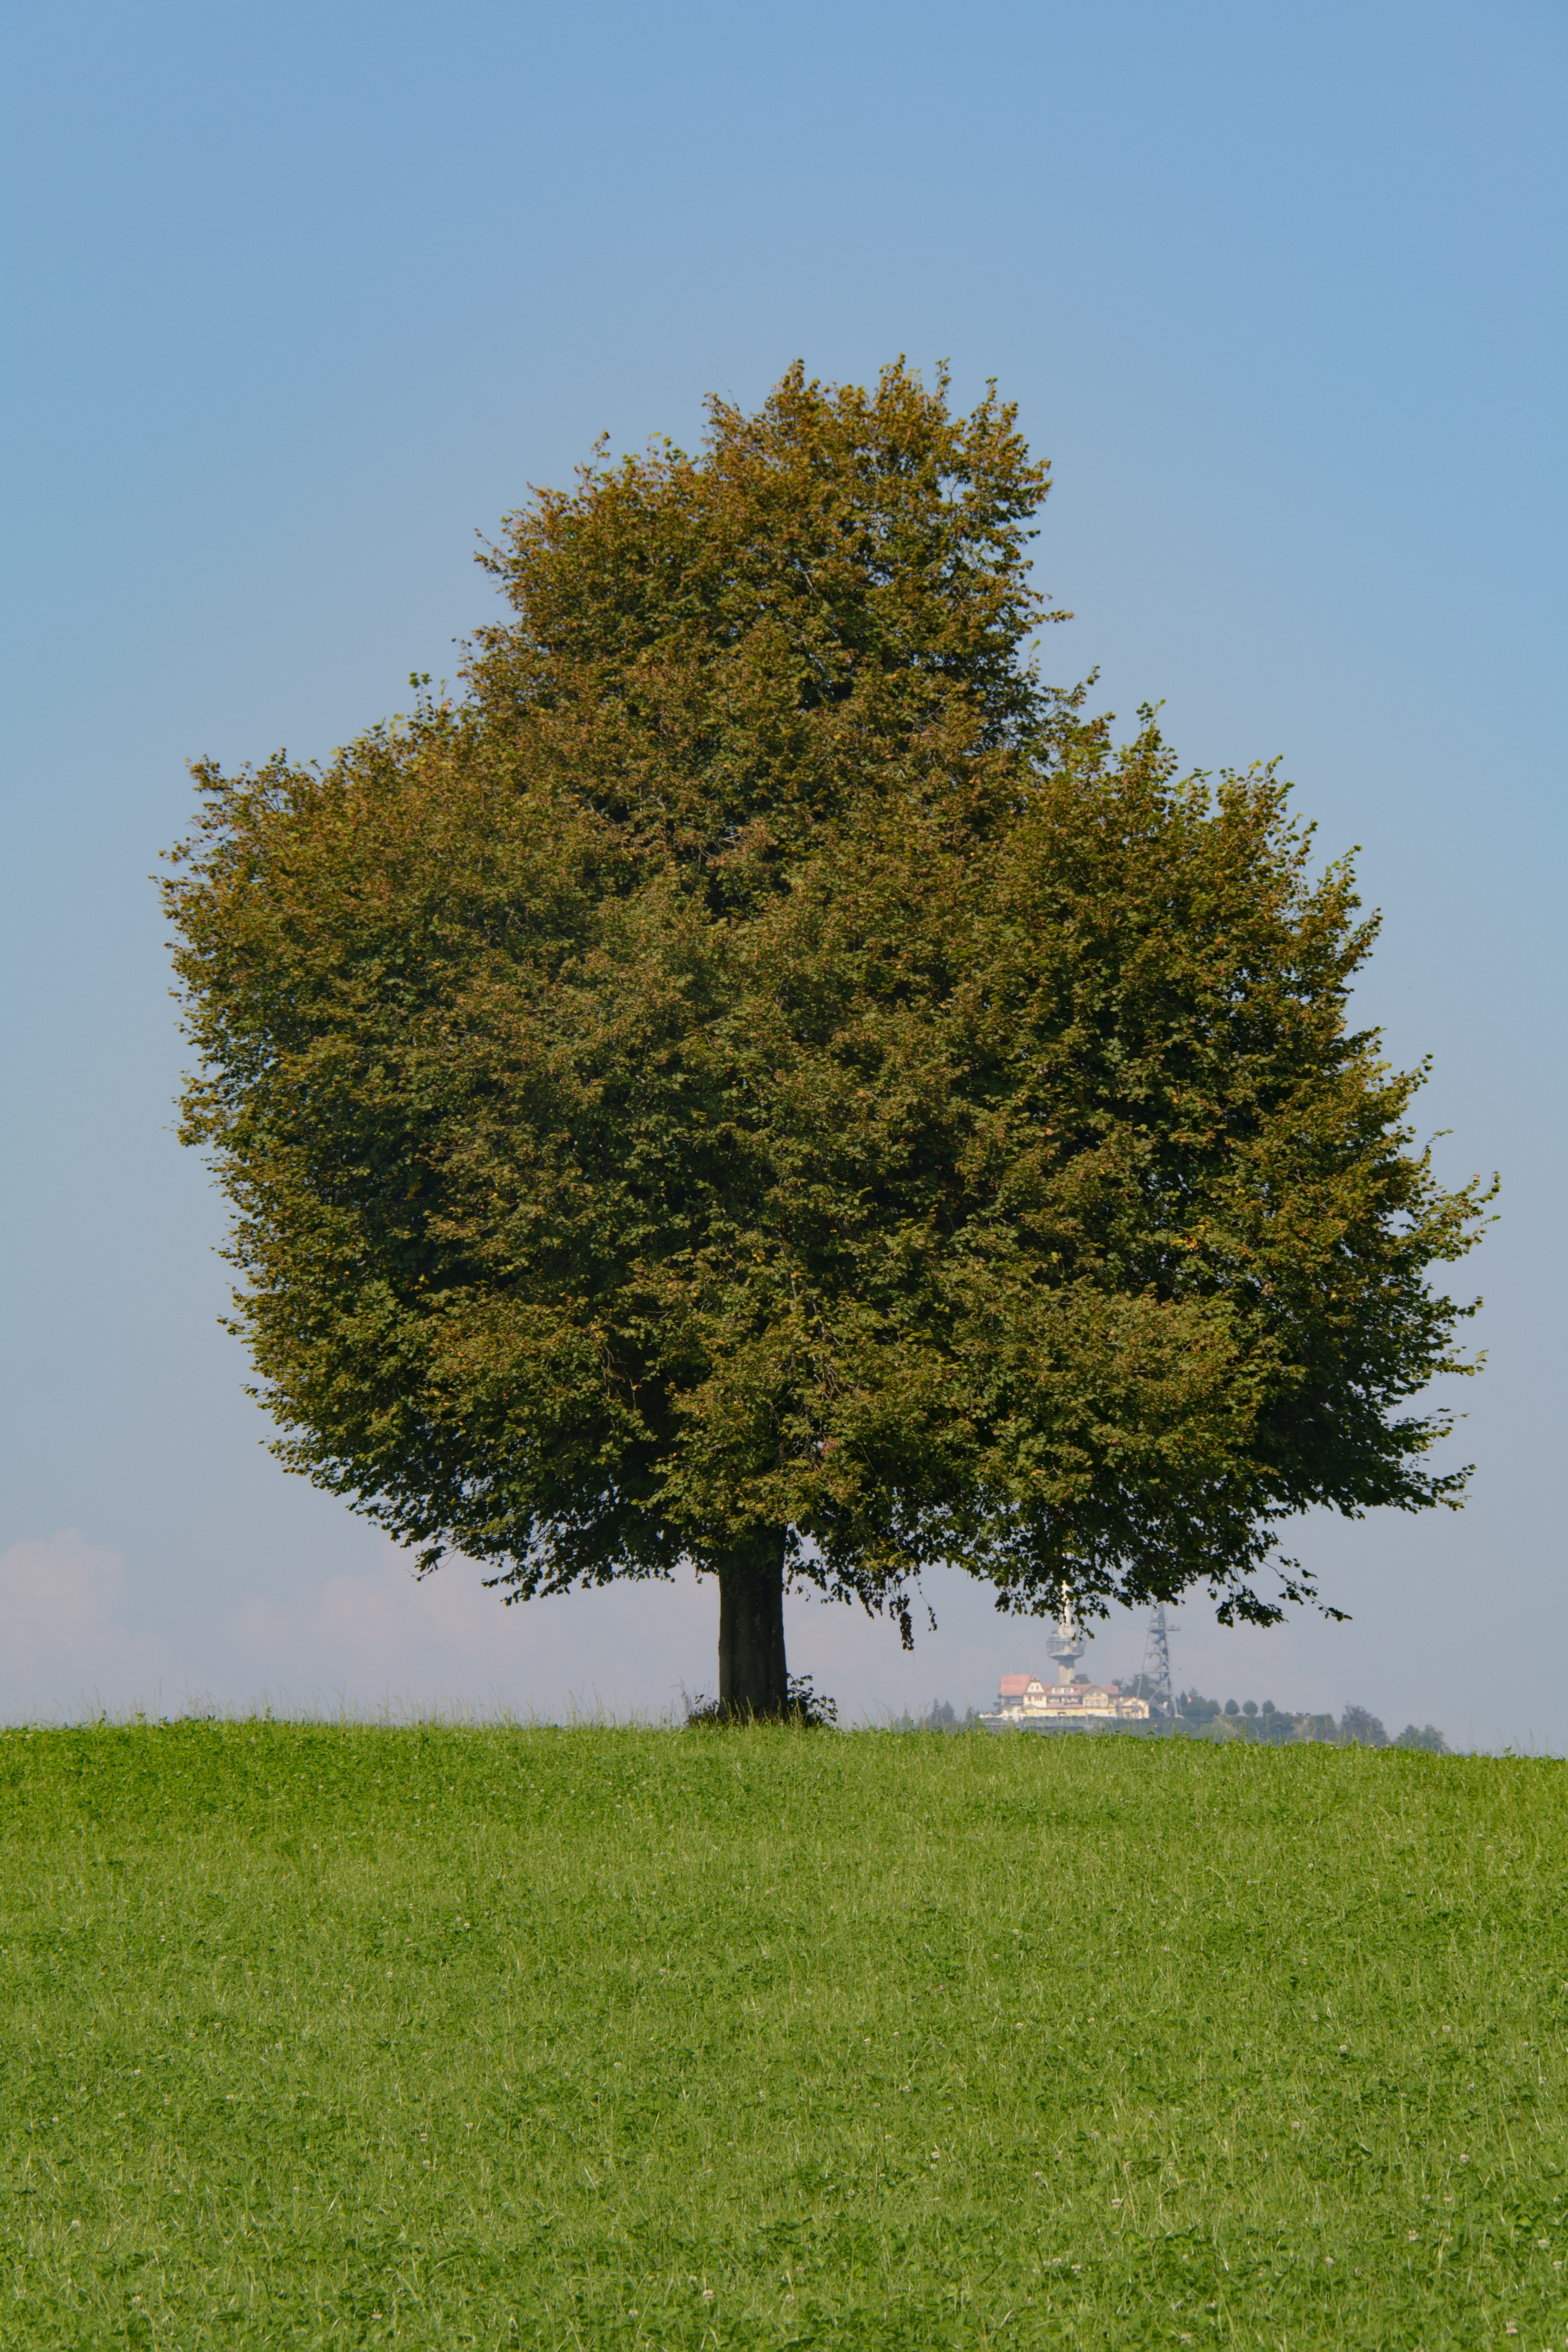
<point x="753" y="1680"/>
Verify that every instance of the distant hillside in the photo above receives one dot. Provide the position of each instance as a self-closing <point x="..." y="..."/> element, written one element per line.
<point x="1220" y="1719"/>
<point x="1213" y="1718"/>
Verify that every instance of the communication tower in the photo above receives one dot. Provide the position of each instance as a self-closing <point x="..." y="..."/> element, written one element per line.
<point x="1066" y="1645"/>
<point x="1155" y="1681"/>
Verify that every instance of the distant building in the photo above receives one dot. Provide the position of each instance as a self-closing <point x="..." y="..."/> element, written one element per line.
<point x="1072" y="1703"/>
<point x="1026" y="1704"/>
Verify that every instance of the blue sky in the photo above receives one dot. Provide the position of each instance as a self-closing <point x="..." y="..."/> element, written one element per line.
<point x="298" y="299"/>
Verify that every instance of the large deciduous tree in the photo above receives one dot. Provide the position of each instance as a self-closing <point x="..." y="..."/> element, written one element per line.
<point x="763" y="1080"/>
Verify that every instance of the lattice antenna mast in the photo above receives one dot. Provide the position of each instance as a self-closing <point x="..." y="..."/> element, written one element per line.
<point x="1156" y="1684"/>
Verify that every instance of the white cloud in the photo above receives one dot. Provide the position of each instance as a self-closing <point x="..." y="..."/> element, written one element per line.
<point x="388" y="1638"/>
<point x="384" y="1638"/>
<point x="64" y="1647"/>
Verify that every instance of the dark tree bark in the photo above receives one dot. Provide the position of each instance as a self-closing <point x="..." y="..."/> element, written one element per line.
<point x="753" y="1680"/>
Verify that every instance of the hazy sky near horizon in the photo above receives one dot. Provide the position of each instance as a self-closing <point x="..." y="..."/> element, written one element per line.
<point x="300" y="298"/>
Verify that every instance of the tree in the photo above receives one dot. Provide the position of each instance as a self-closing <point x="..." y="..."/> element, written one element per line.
<point x="763" y="1080"/>
<point x="1359" y="1728"/>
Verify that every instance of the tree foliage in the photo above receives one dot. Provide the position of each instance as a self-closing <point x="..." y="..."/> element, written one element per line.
<point x="763" y="1079"/>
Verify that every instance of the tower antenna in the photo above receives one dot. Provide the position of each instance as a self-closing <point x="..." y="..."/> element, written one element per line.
<point x="1066" y="1644"/>
<point x="1154" y="1683"/>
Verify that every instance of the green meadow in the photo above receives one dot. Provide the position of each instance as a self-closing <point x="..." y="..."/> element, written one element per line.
<point x="342" y="2035"/>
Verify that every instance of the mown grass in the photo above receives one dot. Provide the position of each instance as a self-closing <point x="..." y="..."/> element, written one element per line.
<point x="336" y="2036"/>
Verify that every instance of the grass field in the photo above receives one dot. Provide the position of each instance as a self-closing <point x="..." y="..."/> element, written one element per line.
<point x="331" y="2035"/>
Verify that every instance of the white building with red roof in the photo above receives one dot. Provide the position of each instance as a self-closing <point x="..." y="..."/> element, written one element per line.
<point x="1024" y="1703"/>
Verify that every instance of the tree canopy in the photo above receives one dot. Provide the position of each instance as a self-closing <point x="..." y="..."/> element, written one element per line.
<point x="761" y="1079"/>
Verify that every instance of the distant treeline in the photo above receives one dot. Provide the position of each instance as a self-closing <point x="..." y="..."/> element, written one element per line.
<point x="1220" y="1719"/>
<point x="942" y="1717"/>
<point x="1212" y="1718"/>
